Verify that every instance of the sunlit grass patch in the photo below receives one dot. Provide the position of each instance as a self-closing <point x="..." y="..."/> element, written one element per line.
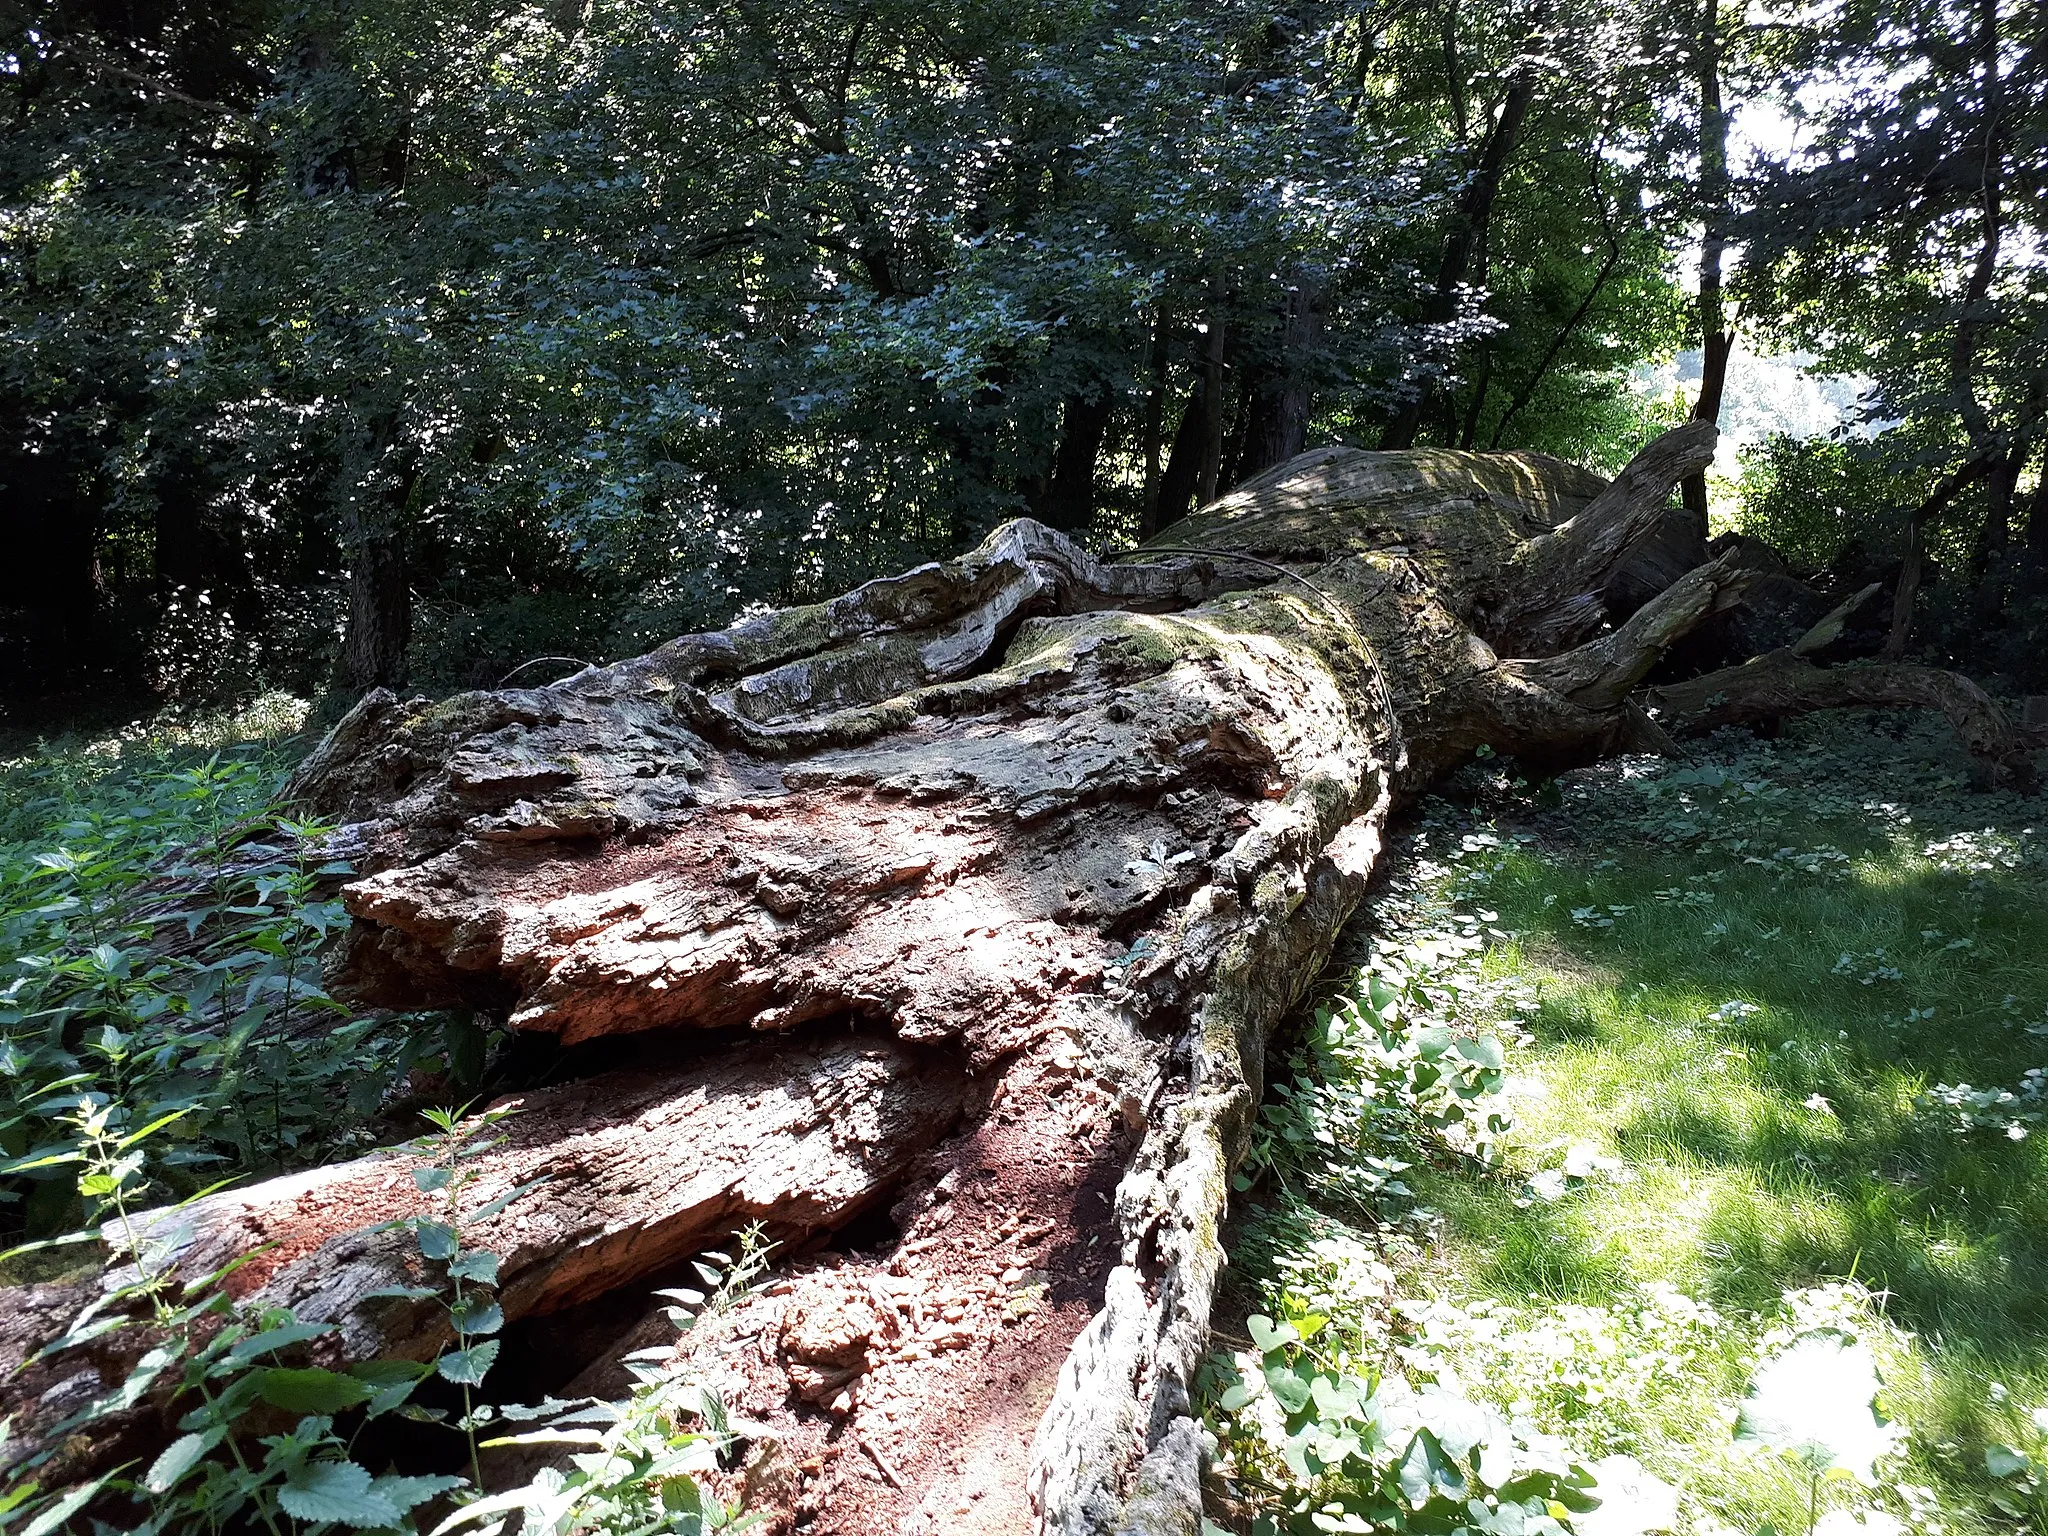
<point x="1789" y="1007"/>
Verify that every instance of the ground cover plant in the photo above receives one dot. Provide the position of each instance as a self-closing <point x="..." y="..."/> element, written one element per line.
<point x="1771" y="1026"/>
<point x="163" y="1032"/>
<point x="160" y="928"/>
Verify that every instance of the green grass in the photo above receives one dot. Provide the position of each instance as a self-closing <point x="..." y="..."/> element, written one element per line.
<point x="1764" y="1161"/>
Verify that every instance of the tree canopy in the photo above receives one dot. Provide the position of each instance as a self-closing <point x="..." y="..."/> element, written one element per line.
<point x="358" y="339"/>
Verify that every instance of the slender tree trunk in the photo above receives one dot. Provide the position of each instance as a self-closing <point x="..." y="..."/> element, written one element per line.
<point x="1304" y="334"/>
<point x="1155" y="427"/>
<point x="378" y="627"/>
<point x="1213" y="406"/>
<point x="1467" y="236"/>
<point x="1177" y="487"/>
<point x="1068" y="500"/>
<point x="1945" y="491"/>
<point x="51" y="574"/>
<point x="1469" y="431"/>
<point x="1243" y="424"/>
<point x="1717" y="341"/>
<point x="1275" y="427"/>
<point x="2037" y="522"/>
<point x="1988" y="448"/>
<point x="1990" y="557"/>
<point x="1907" y="592"/>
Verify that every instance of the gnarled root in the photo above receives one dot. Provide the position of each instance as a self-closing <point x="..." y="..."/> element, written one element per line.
<point x="1784" y="683"/>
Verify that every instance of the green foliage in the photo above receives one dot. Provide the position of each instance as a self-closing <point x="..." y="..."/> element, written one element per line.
<point x="1383" y="1066"/>
<point x="160" y="923"/>
<point x="165" y="1027"/>
<point x="216" y="1363"/>
<point x="1355" y="1452"/>
<point x="1808" y="498"/>
<point x="611" y="323"/>
<point x="1900" y="242"/>
<point x="2021" y="1467"/>
<point x="1743" y="1000"/>
<point x="637" y="1471"/>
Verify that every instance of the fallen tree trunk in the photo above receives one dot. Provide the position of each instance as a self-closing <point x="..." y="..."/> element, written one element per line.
<point x="1060" y="841"/>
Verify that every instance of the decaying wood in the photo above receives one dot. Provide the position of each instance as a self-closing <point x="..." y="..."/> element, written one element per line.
<point x="1019" y="810"/>
<point x="1784" y="683"/>
<point x="642" y="1168"/>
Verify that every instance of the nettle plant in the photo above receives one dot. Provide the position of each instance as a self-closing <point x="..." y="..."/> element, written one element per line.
<point x="634" y="1466"/>
<point x="159" y="939"/>
<point x="469" y="1273"/>
<point x="221" y="1363"/>
<point x="1379" y="1071"/>
<point x="1336" y="1449"/>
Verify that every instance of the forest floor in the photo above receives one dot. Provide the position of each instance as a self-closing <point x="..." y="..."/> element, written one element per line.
<point x="1774" y="1022"/>
<point x="1674" y="1069"/>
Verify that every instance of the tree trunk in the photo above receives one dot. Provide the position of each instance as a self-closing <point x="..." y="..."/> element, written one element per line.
<point x="1184" y="463"/>
<point x="1950" y="486"/>
<point x="1277" y="424"/>
<point x="1989" y="558"/>
<point x="379" y="624"/>
<point x="1213" y="404"/>
<point x="2035" y="548"/>
<point x="1467" y="235"/>
<point x="1069" y="500"/>
<point x="1155" y="426"/>
<point x="974" y="894"/>
<point x="1717" y="341"/>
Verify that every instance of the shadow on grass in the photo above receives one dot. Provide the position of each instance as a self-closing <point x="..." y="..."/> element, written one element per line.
<point x="1798" y="1120"/>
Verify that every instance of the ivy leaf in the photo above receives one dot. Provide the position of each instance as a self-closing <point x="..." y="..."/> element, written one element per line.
<point x="467" y="1367"/>
<point x="337" y="1491"/>
<point x="311" y="1391"/>
<point x="1457" y="1422"/>
<point x="1336" y="1399"/>
<point x="1632" y="1501"/>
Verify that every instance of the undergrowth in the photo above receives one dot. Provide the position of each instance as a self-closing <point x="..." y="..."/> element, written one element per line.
<point x="1775" y="1023"/>
<point x="164" y="1031"/>
<point x="160" y="927"/>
